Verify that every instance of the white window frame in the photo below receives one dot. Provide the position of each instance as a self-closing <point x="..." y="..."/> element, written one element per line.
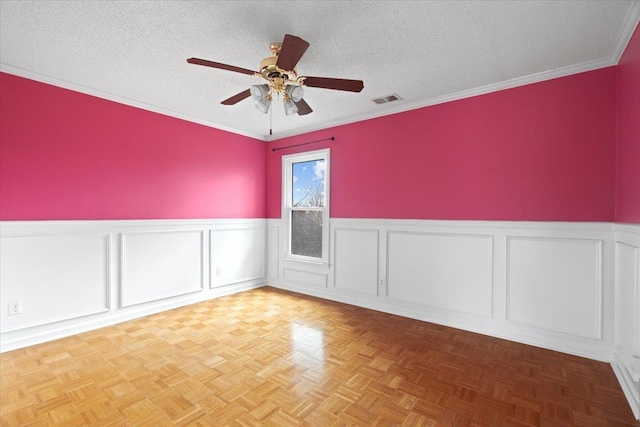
<point x="287" y="202"/>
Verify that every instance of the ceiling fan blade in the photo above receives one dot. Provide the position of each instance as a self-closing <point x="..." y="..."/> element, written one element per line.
<point x="237" y="98"/>
<point x="336" y="84"/>
<point x="291" y="51"/>
<point x="206" y="63"/>
<point x="303" y="107"/>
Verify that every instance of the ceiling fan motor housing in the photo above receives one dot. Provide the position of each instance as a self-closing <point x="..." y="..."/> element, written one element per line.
<point x="269" y="70"/>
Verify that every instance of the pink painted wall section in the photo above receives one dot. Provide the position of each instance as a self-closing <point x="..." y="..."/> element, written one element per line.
<point x="541" y="152"/>
<point x="66" y="155"/>
<point x="628" y="134"/>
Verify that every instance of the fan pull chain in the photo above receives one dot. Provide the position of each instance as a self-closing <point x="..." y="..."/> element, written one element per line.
<point x="271" y="120"/>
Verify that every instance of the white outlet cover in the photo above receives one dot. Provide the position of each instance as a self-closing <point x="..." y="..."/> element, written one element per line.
<point x="15" y="307"/>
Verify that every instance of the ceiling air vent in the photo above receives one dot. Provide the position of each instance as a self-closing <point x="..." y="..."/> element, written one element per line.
<point x="388" y="98"/>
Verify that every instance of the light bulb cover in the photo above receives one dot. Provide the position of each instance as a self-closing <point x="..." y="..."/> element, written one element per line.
<point x="263" y="106"/>
<point x="290" y="108"/>
<point x="295" y="92"/>
<point x="259" y="92"/>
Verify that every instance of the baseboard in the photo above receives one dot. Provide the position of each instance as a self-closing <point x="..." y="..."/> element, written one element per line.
<point x="74" y="276"/>
<point x="455" y="320"/>
<point x="629" y="381"/>
<point x="65" y="330"/>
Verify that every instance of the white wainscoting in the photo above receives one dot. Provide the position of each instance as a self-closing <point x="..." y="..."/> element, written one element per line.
<point x="308" y="278"/>
<point x="170" y="260"/>
<point x="73" y="276"/>
<point x="237" y="255"/>
<point x="67" y="277"/>
<point x="273" y="243"/>
<point x="571" y="287"/>
<point x="555" y="284"/>
<point x="444" y="270"/>
<point x="549" y="284"/>
<point x="626" y="363"/>
<point x="356" y="260"/>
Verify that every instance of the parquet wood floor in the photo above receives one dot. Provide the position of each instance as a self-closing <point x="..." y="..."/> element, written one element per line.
<point x="273" y="358"/>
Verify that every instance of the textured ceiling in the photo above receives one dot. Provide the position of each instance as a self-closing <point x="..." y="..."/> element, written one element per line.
<point x="135" y="51"/>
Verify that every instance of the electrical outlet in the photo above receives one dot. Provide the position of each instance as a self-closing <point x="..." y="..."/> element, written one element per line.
<point x="219" y="271"/>
<point x="15" y="307"/>
<point x="382" y="283"/>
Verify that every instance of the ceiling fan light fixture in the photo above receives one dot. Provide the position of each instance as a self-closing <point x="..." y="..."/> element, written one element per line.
<point x="264" y="105"/>
<point x="295" y="93"/>
<point x="259" y="92"/>
<point x="280" y="71"/>
<point x="290" y="108"/>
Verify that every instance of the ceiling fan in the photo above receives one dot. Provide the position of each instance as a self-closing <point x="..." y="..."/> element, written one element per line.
<point x="282" y="78"/>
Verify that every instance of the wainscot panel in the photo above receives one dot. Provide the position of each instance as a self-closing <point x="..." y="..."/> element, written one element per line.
<point x="273" y="243"/>
<point x="170" y="261"/>
<point x="306" y="278"/>
<point x="555" y="284"/>
<point x="549" y="284"/>
<point x="65" y="273"/>
<point x="447" y="271"/>
<point x="356" y="260"/>
<point x="626" y="363"/>
<point x="53" y="278"/>
<point x="237" y="256"/>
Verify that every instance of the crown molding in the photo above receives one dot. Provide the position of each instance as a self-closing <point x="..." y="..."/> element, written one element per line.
<point x="626" y="31"/>
<point x="624" y="36"/>
<point x="468" y="93"/>
<point x="21" y="72"/>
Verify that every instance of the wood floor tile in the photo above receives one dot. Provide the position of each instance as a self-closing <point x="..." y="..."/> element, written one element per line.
<point x="273" y="358"/>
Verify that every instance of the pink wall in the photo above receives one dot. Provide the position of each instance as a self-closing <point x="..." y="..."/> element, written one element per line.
<point x="541" y="152"/>
<point x="66" y="155"/>
<point x="628" y="134"/>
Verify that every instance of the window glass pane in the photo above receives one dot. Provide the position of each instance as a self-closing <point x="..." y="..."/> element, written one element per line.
<point x="306" y="233"/>
<point x="307" y="188"/>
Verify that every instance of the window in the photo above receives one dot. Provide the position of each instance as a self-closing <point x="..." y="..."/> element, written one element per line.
<point x="305" y="198"/>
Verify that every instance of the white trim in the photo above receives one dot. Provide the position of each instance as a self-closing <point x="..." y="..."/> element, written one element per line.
<point x="90" y="324"/>
<point x="286" y="194"/>
<point x="624" y="35"/>
<point x="636" y="294"/>
<point x="107" y="286"/>
<point x="478" y="225"/>
<point x="9" y="228"/>
<point x="628" y="235"/>
<point x="276" y="256"/>
<point x="459" y="321"/>
<point x="72" y="323"/>
<point x="335" y="252"/>
<point x="21" y="72"/>
<point x="123" y="258"/>
<point x="599" y="278"/>
<point x="323" y="277"/>
<point x="628" y="228"/>
<point x="463" y="94"/>
<point x="636" y="297"/>
<point x="235" y="281"/>
<point x="487" y="237"/>
<point x="495" y="324"/>
<point x="468" y="93"/>
<point x="626" y="31"/>
<point x="628" y="379"/>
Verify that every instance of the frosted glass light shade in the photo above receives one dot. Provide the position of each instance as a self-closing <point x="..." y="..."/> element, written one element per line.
<point x="263" y="106"/>
<point x="290" y="108"/>
<point x="295" y="92"/>
<point x="259" y="92"/>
